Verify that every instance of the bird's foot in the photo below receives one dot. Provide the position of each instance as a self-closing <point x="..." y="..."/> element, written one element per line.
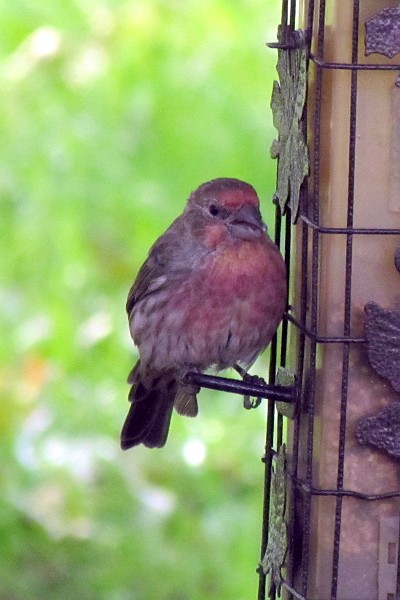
<point x="248" y="402"/>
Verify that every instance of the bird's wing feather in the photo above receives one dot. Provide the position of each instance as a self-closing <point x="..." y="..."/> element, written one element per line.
<point x="169" y="260"/>
<point x="151" y="278"/>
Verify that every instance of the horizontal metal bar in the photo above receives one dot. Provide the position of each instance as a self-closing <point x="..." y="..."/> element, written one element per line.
<point x="340" y="492"/>
<point x="349" y="231"/>
<point x="284" y="45"/>
<point x="320" y="339"/>
<point x="279" y="393"/>
<point x="354" y="66"/>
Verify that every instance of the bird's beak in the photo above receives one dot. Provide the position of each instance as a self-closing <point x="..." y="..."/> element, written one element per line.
<point x="245" y="223"/>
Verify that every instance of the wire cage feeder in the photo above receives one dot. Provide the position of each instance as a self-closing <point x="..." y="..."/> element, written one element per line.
<point x="332" y="491"/>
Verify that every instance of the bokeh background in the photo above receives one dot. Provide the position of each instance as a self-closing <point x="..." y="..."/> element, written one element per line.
<point x="112" y="111"/>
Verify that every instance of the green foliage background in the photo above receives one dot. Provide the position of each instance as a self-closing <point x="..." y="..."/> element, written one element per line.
<point x="111" y="113"/>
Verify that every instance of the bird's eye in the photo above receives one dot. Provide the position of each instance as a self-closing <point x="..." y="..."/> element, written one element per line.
<point x="213" y="210"/>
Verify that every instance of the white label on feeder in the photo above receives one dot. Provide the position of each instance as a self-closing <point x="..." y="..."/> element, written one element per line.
<point x="388" y="553"/>
<point x="394" y="189"/>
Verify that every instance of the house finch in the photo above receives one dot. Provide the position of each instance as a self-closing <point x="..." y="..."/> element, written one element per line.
<point x="210" y="294"/>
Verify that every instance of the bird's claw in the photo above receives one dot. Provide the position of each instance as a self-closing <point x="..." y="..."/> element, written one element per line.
<point x="249" y="403"/>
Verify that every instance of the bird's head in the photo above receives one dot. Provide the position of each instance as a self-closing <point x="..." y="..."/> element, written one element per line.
<point x="226" y="207"/>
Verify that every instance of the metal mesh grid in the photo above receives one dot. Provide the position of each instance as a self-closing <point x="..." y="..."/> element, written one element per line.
<point x="305" y="325"/>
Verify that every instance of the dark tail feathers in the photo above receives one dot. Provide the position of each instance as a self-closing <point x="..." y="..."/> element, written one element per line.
<point x="150" y="413"/>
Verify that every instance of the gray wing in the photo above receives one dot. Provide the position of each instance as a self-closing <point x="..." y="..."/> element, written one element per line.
<point x="170" y="259"/>
<point x="150" y="278"/>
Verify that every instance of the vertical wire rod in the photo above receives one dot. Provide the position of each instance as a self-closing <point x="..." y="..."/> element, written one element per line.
<point x="347" y="304"/>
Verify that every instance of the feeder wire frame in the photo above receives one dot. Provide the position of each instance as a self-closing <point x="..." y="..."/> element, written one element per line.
<point x="311" y="232"/>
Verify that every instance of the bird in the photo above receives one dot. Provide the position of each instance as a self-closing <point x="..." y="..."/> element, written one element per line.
<point x="210" y="295"/>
